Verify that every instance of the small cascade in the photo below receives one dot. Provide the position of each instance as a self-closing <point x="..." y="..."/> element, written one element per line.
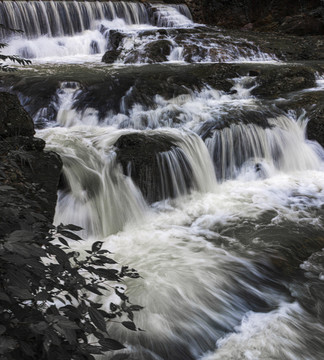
<point x="262" y="151"/>
<point x="164" y="15"/>
<point x="93" y="193"/>
<point x="167" y="164"/>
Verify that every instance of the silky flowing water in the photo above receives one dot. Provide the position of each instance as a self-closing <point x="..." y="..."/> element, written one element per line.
<point x="228" y="236"/>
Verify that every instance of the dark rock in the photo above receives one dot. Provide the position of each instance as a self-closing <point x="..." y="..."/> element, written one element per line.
<point x="193" y="53"/>
<point x="157" y="51"/>
<point x="254" y="73"/>
<point x="302" y="25"/>
<point x="115" y="38"/>
<point x="110" y="56"/>
<point x="290" y="16"/>
<point x="14" y="120"/>
<point x="29" y="176"/>
<point x="273" y="82"/>
<point x="140" y="156"/>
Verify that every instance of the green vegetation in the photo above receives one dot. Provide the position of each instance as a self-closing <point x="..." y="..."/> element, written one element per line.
<point x="14" y="58"/>
<point x="47" y="309"/>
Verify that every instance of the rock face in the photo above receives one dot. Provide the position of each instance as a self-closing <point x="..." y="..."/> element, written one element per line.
<point x="304" y="17"/>
<point x="29" y="176"/>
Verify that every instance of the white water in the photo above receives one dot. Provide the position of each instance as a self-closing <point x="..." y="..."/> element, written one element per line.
<point x="200" y="278"/>
<point x="226" y="267"/>
<point x="79" y="32"/>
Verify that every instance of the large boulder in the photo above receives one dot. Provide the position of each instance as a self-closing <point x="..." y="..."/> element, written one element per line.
<point x="158" y="50"/>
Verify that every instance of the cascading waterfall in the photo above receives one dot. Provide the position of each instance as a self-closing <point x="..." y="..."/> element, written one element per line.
<point x="171" y="16"/>
<point x="59" y="18"/>
<point x="75" y="31"/>
<point x="214" y="196"/>
<point x="197" y="247"/>
<point x="267" y="150"/>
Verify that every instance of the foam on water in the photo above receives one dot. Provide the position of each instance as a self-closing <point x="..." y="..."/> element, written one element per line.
<point x="275" y="335"/>
<point x="197" y="283"/>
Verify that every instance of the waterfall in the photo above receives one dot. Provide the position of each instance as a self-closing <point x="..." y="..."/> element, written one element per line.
<point x="59" y="18"/>
<point x="96" y="195"/>
<point x="81" y="31"/>
<point x="171" y="15"/>
<point x="199" y="176"/>
<point x="281" y="147"/>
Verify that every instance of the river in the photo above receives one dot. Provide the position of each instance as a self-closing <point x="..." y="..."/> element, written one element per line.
<point x="213" y="194"/>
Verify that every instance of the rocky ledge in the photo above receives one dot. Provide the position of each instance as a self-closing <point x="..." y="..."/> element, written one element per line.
<point x="29" y="175"/>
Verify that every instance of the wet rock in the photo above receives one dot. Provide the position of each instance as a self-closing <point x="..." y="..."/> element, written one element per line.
<point x="140" y="156"/>
<point x="14" y="120"/>
<point x="115" y="38"/>
<point x="154" y="52"/>
<point x="157" y="51"/>
<point x="29" y="175"/>
<point x="110" y="56"/>
<point x="193" y="53"/>
<point x="273" y="82"/>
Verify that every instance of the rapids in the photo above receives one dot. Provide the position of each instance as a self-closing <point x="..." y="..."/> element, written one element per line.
<point x="214" y="195"/>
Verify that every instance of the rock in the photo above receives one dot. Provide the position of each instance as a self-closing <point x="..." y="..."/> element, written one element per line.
<point x="29" y="176"/>
<point x="290" y="16"/>
<point x="157" y="51"/>
<point x="193" y="53"/>
<point x="14" y="120"/>
<point x="140" y="156"/>
<point x="110" y="56"/>
<point x="273" y="82"/>
<point x="115" y="38"/>
<point x="302" y="25"/>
